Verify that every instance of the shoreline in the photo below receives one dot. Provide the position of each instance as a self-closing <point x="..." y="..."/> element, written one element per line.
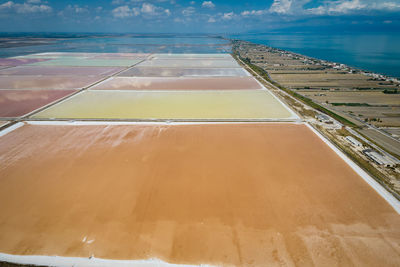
<point x="324" y="62"/>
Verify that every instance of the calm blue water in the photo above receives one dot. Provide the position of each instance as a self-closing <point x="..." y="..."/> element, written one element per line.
<point x="126" y="44"/>
<point x="374" y="52"/>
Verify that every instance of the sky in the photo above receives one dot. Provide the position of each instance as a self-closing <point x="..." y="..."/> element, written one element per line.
<point x="216" y="16"/>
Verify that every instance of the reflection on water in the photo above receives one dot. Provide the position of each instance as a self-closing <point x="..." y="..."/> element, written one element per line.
<point x="126" y="44"/>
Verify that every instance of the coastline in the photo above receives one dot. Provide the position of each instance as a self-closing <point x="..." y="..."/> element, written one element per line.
<point x="328" y="63"/>
<point x="372" y="51"/>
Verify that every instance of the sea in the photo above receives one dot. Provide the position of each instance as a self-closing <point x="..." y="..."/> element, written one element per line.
<point x="375" y="52"/>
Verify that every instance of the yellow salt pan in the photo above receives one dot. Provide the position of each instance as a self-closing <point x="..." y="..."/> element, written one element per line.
<point x="249" y="104"/>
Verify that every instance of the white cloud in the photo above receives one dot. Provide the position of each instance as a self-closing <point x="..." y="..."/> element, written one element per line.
<point x="228" y="16"/>
<point x="346" y="6"/>
<point x="211" y="20"/>
<point x="286" y="7"/>
<point x="7" y="5"/>
<point x="135" y="11"/>
<point x="328" y="7"/>
<point x="124" y="12"/>
<point x="77" y="8"/>
<point x="247" y="13"/>
<point x="148" y="8"/>
<point x="351" y="6"/>
<point x="281" y="6"/>
<point x="317" y="10"/>
<point x="208" y="4"/>
<point x="386" y="6"/>
<point x="188" y="11"/>
<point x="28" y="7"/>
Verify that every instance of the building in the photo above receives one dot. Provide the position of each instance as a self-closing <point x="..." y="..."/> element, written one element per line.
<point x="380" y="159"/>
<point x="353" y="141"/>
<point x="324" y="118"/>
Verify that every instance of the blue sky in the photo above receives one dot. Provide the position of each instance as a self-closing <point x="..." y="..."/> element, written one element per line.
<point x="217" y="16"/>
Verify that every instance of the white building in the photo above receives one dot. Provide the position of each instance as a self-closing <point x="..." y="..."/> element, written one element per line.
<point x="379" y="159"/>
<point x="353" y="141"/>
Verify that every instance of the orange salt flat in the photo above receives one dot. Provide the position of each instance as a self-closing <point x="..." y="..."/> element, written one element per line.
<point x="222" y="194"/>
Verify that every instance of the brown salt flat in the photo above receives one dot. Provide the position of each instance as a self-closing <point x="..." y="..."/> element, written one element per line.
<point x="178" y="83"/>
<point x="46" y="82"/>
<point x="16" y="103"/>
<point x="61" y="71"/>
<point x="244" y="194"/>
